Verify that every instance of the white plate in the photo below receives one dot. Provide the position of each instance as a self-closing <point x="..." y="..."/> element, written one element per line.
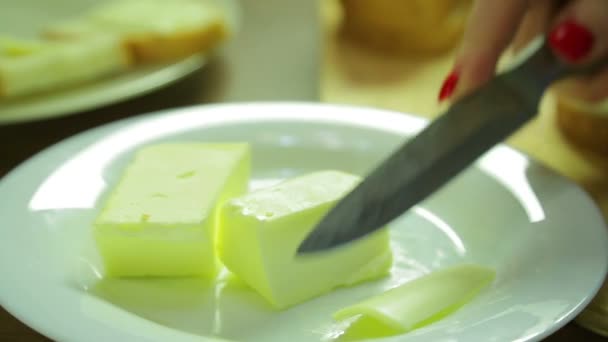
<point x="542" y="234"/>
<point x="25" y="18"/>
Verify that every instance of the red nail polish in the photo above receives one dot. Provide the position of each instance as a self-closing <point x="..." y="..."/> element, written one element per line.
<point x="571" y="40"/>
<point x="448" y="86"/>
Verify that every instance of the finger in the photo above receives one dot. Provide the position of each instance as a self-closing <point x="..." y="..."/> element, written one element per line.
<point x="491" y="26"/>
<point x="580" y="32"/>
<point x="537" y="19"/>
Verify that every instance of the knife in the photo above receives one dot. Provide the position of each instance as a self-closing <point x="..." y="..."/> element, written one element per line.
<point x="447" y="146"/>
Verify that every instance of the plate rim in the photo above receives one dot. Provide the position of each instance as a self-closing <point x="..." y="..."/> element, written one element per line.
<point x="42" y="329"/>
<point x="144" y="85"/>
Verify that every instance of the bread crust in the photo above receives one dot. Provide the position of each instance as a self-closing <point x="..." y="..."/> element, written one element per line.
<point x="150" y="47"/>
<point x="383" y="24"/>
<point x="584" y="129"/>
<point x="157" y="48"/>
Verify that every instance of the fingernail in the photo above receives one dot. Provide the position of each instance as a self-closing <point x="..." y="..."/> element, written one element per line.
<point x="571" y="40"/>
<point x="448" y="86"/>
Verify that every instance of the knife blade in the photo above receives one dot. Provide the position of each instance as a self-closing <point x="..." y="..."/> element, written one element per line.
<point x="446" y="147"/>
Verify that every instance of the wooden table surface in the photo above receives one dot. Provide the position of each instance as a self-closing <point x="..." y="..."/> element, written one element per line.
<point x="362" y="85"/>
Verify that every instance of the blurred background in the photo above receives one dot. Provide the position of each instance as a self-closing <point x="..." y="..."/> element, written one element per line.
<point x="390" y="54"/>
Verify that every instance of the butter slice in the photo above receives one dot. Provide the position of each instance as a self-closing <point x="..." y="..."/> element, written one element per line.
<point x="160" y="219"/>
<point x="417" y="303"/>
<point x="261" y="231"/>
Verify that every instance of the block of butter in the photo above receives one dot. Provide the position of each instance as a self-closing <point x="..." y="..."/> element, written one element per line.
<point x="416" y="303"/>
<point x="160" y="218"/>
<point x="261" y="231"/>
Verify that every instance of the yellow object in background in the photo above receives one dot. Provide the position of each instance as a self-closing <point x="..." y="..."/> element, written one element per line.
<point x="400" y="26"/>
<point x="585" y="124"/>
<point x="29" y="67"/>
<point x="153" y="31"/>
<point x="11" y="47"/>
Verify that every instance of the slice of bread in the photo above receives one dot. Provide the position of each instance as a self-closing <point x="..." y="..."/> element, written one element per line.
<point x="584" y="124"/>
<point x="29" y="67"/>
<point x="153" y="30"/>
<point x="404" y="26"/>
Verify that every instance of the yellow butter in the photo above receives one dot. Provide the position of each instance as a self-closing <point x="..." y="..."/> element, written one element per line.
<point x="419" y="302"/>
<point x="261" y="231"/>
<point x="159" y="220"/>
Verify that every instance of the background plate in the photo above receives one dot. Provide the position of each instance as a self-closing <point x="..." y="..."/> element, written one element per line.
<point x="25" y="18"/>
<point x="542" y="234"/>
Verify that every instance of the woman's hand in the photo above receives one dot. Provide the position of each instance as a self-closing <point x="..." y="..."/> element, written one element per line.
<point x="577" y="30"/>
